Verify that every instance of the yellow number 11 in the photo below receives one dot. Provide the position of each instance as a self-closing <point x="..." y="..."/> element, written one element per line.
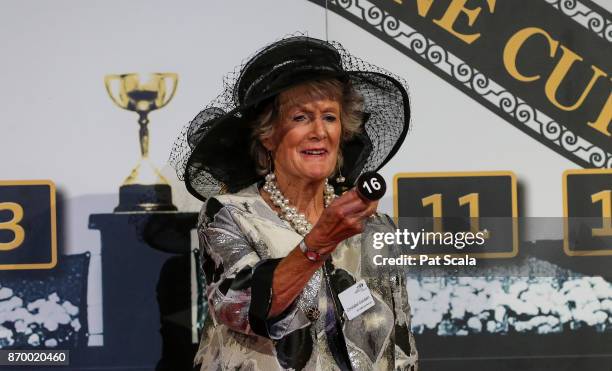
<point x="435" y="200"/>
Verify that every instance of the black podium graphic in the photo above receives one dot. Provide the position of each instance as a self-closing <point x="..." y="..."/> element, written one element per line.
<point x="146" y="291"/>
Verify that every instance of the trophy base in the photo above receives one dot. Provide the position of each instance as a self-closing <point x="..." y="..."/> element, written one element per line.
<point x="145" y="197"/>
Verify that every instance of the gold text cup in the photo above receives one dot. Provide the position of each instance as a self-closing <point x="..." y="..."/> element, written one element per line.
<point x="142" y="95"/>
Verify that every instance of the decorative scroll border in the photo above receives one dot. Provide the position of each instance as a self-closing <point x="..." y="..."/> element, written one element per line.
<point x="508" y="105"/>
<point x="585" y="16"/>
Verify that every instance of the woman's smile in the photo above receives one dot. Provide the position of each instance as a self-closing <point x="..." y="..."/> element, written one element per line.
<point x="314" y="153"/>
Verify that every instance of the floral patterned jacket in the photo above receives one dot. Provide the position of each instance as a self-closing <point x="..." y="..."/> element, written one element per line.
<point x="242" y="240"/>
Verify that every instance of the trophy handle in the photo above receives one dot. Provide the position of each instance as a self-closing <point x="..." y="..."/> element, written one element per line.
<point x="108" y="82"/>
<point x="174" y="78"/>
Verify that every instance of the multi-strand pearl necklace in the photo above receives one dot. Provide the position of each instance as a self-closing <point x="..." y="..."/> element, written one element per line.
<point x="290" y="213"/>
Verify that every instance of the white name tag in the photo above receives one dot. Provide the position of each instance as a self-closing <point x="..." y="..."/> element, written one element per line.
<point x="356" y="299"/>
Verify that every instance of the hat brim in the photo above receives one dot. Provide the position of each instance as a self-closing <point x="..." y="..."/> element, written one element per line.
<point x="223" y="151"/>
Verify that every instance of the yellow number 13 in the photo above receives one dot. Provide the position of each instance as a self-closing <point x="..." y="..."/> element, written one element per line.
<point x="12" y="225"/>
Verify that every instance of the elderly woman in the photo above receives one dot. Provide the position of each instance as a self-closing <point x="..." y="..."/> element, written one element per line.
<point x="279" y="244"/>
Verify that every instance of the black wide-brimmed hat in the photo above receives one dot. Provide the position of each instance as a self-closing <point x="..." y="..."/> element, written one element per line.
<point x="213" y="151"/>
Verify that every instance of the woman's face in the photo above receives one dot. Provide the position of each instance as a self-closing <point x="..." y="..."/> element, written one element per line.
<point x="306" y="138"/>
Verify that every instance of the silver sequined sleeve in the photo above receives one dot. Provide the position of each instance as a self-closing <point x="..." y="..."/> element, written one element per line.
<point x="229" y="262"/>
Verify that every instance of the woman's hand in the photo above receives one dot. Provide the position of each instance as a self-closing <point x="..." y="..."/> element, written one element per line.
<point x="342" y="219"/>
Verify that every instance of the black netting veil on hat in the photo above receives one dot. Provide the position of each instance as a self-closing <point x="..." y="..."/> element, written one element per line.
<point x="213" y="150"/>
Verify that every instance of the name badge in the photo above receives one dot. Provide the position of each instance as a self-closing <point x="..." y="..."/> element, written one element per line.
<point x="356" y="299"/>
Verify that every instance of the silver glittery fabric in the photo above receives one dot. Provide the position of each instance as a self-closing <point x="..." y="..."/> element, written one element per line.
<point x="310" y="295"/>
<point x="244" y="232"/>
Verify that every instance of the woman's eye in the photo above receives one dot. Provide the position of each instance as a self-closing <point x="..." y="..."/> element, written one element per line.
<point x="330" y="118"/>
<point x="299" y="118"/>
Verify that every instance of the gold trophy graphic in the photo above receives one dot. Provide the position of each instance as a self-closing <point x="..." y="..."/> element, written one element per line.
<point x="145" y="189"/>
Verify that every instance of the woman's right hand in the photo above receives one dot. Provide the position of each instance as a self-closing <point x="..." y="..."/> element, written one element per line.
<point x="342" y="219"/>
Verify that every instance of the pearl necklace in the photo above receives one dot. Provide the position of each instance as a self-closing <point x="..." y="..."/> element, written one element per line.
<point x="290" y="213"/>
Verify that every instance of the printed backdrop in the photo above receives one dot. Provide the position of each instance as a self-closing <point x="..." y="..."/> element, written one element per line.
<point x="511" y="110"/>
